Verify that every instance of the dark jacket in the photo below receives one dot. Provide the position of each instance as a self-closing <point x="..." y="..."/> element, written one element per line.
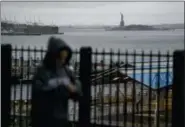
<point x="50" y="100"/>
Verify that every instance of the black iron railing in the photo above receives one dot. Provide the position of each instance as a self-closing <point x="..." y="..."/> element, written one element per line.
<point x="133" y="93"/>
<point x="24" y="64"/>
<point x="126" y="88"/>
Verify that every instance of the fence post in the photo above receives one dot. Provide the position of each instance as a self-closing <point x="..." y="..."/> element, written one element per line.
<point x="85" y="77"/>
<point x="5" y="83"/>
<point x="178" y="90"/>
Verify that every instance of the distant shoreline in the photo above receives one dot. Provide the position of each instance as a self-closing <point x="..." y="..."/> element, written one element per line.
<point x="137" y="28"/>
<point x="169" y="26"/>
<point x="27" y="34"/>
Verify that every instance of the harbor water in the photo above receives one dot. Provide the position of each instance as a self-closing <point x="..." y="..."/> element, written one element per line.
<point x="130" y="40"/>
<point x="100" y="39"/>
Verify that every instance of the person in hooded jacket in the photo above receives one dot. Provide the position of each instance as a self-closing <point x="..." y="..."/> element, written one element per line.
<point x="53" y="84"/>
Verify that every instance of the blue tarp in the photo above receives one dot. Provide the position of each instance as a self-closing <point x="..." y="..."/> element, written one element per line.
<point x="158" y="79"/>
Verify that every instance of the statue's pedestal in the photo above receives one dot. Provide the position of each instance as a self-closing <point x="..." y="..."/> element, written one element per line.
<point x="122" y="24"/>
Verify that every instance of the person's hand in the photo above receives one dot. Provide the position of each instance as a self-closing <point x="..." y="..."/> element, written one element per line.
<point x="67" y="83"/>
<point x="64" y="81"/>
<point x="71" y="88"/>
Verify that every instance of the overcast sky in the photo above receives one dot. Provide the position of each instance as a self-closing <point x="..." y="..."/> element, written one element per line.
<point x="94" y="13"/>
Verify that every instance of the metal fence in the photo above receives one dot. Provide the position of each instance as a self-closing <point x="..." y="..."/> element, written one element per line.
<point x="24" y="65"/>
<point x="134" y="91"/>
<point x="120" y="88"/>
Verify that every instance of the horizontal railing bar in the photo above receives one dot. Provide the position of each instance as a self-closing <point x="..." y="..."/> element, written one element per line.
<point x="133" y="54"/>
<point x="34" y="50"/>
<point x="102" y="53"/>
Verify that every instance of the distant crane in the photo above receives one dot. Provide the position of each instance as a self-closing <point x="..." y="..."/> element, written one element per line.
<point x="9" y="20"/>
<point x="29" y="22"/>
<point x="52" y="24"/>
<point x="15" y="20"/>
<point x="40" y="21"/>
<point x="2" y="18"/>
<point x="35" y="23"/>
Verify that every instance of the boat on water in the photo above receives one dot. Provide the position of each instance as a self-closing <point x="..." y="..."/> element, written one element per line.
<point x="11" y="29"/>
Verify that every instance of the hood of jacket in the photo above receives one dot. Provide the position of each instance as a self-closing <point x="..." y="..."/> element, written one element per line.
<point x="55" y="45"/>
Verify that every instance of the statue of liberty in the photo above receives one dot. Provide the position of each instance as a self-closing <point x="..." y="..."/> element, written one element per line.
<point x="122" y="21"/>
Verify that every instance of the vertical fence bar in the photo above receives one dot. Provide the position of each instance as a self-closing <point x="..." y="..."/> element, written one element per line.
<point x="33" y="97"/>
<point x="34" y="57"/>
<point x="110" y="89"/>
<point x="150" y="91"/>
<point x="41" y="54"/>
<point x="158" y="89"/>
<point x="125" y="90"/>
<point x="166" y="93"/>
<point x="178" y="90"/>
<point x="95" y="87"/>
<point x="20" y="100"/>
<point x="27" y="88"/>
<point x="14" y="89"/>
<point x="142" y="79"/>
<point x="6" y="51"/>
<point x="74" y="103"/>
<point x="85" y="77"/>
<point x="117" y="83"/>
<point x="102" y="86"/>
<point x="134" y="91"/>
